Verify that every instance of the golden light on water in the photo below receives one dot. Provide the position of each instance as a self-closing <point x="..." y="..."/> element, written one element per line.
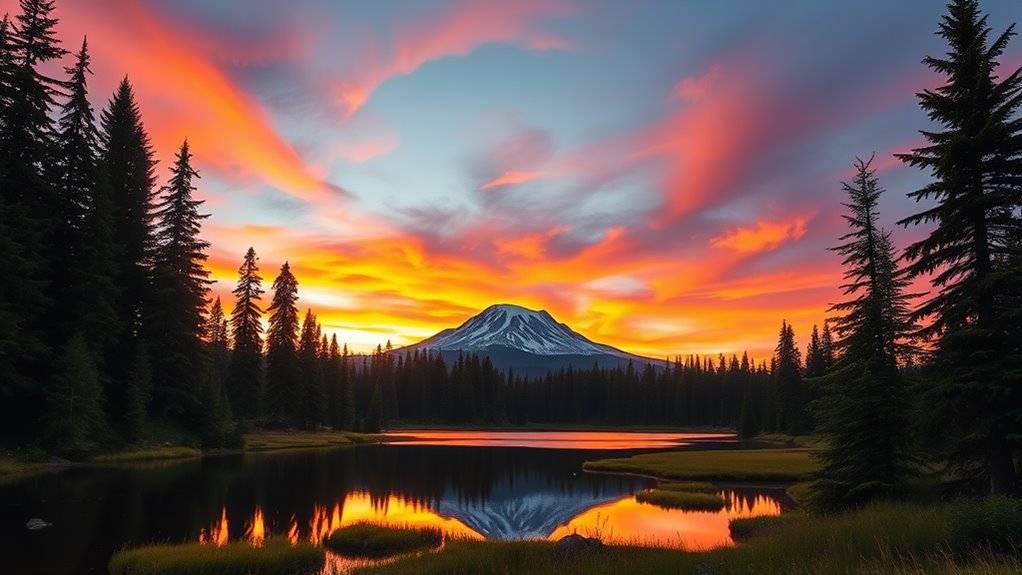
<point x="396" y="511"/>
<point x="218" y="533"/>
<point x="627" y="521"/>
<point x="256" y="532"/>
<point x="624" y="521"/>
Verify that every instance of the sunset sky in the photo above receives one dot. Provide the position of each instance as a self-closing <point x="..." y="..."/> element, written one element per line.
<point x="662" y="176"/>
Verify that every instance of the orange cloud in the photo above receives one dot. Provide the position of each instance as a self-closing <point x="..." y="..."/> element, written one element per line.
<point x="764" y="236"/>
<point x="512" y="177"/>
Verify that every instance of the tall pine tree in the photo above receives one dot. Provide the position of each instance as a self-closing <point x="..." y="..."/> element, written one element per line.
<point x="313" y="397"/>
<point x="245" y="372"/>
<point x="283" y="402"/>
<point x="863" y="413"/>
<point x="790" y="409"/>
<point x="175" y="318"/>
<point x="975" y="159"/>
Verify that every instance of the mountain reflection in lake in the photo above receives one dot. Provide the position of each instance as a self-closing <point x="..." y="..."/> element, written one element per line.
<point x="493" y="492"/>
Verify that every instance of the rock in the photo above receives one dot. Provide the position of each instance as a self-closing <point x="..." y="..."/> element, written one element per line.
<point x="35" y="524"/>
<point x="574" y="545"/>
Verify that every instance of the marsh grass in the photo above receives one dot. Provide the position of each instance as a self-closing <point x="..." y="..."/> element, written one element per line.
<point x="281" y="440"/>
<point x="275" y="557"/>
<point x="148" y="454"/>
<point x="367" y="540"/>
<point x="900" y="539"/>
<point x="685" y="500"/>
<point x="773" y="465"/>
<point x="689" y="486"/>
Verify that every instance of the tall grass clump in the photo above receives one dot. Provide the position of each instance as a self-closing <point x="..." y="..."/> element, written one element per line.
<point x="367" y="540"/>
<point x="275" y="557"/>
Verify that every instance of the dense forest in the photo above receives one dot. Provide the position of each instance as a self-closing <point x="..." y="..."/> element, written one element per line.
<point x="108" y="337"/>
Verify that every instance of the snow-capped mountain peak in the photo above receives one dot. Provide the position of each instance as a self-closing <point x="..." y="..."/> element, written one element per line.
<point x="516" y="327"/>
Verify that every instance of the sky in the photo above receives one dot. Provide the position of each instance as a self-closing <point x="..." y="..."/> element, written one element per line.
<point x="662" y="176"/>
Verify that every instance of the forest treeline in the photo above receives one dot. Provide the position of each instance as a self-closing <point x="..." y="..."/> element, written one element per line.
<point x="107" y="334"/>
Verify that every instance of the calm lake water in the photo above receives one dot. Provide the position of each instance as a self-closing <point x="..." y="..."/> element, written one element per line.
<point x="498" y="485"/>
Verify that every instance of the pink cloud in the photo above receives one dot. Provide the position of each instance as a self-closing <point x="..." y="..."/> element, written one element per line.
<point x="510" y="178"/>
<point x="693" y="89"/>
<point x="456" y="33"/>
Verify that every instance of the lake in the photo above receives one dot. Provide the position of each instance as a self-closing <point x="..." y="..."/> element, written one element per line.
<point x="498" y="485"/>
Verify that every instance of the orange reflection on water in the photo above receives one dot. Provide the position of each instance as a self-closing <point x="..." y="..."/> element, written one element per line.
<point x="256" y="532"/>
<point x="359" y="507"/>
<point x="552" y="439"/>
<point x="292" y="531"/>
<point x="626" y="521"/>
<point x="217" y="534"/>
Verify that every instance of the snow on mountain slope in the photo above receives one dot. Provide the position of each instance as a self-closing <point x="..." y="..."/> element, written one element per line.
<point x="516" y="327"/>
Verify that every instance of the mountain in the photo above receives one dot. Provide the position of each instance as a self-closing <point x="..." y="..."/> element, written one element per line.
<point x="529" y="341"/>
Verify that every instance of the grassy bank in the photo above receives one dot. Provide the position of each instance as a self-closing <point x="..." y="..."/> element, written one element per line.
<point x="896" y="539"/>
<point x="281" y="440"/>
<point x="365" y="540"/>
<point x="148" y="454"/>
<point x="729" y="465"/>
<point x="685" y="500"/>
<point x="276" y="557"/>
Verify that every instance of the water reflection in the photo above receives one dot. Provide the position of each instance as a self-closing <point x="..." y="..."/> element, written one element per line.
<point x="492" y="492"/>
<point x="602" y="440"/>
<point x="627" y="521"/>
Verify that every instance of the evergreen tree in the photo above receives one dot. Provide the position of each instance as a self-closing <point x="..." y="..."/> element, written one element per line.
<point x="346" y="392"/>
<point x="245" y="373"/>
<point x="282" y="371"/>
<point x="29" y="214"/>
<point x="180" y="284"/>
<point x="123" y="204"/>
<point x="27" y="135"/>
<point x="131" y="173"/>
<point x="74" y="417"/>
<point x="310" y="379"/>
<point x="215" y="334"/>
<point x="815" y="358"/>
<point x="975" y="159"/>
<point x="790" y="409"/>
<point x="863" y="414"/>
<point x="137" y="392"/>
<point x="84" y="260"/>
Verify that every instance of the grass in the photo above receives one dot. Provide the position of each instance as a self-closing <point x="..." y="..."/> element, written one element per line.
<point x="148" y="454"/>
<point x="745" y="528"/>
<point x="775" y="465"/>
<point x="689" y="486"/>
<point x="280" y="440"/>
<point x="365" y="540"/>
<point x="681" y="500"/>
<point x="900" y="539"/>
<point x="277" y="557"/>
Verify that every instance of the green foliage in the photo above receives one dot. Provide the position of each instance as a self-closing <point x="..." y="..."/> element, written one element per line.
<point x="275" y="557"/>
<point x="175" y="319"/>
<point x="680" y="499"/>
<point x="975" y="158"/>
<point x="746" y="528"/>
<point x="862" y="414"/>
<point x="282" y="398"/>
<point x="992" y="523"/>
<point x="367" y="540"/>
<point x="725" y="465"/>
<point x="74" y="416"/>
<point x="689" y="486"/>
<point x="245" y="372"/>
<point x="789" y="390"/>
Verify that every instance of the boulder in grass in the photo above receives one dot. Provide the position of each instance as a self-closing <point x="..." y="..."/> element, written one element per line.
<point x="575" y="545"/>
